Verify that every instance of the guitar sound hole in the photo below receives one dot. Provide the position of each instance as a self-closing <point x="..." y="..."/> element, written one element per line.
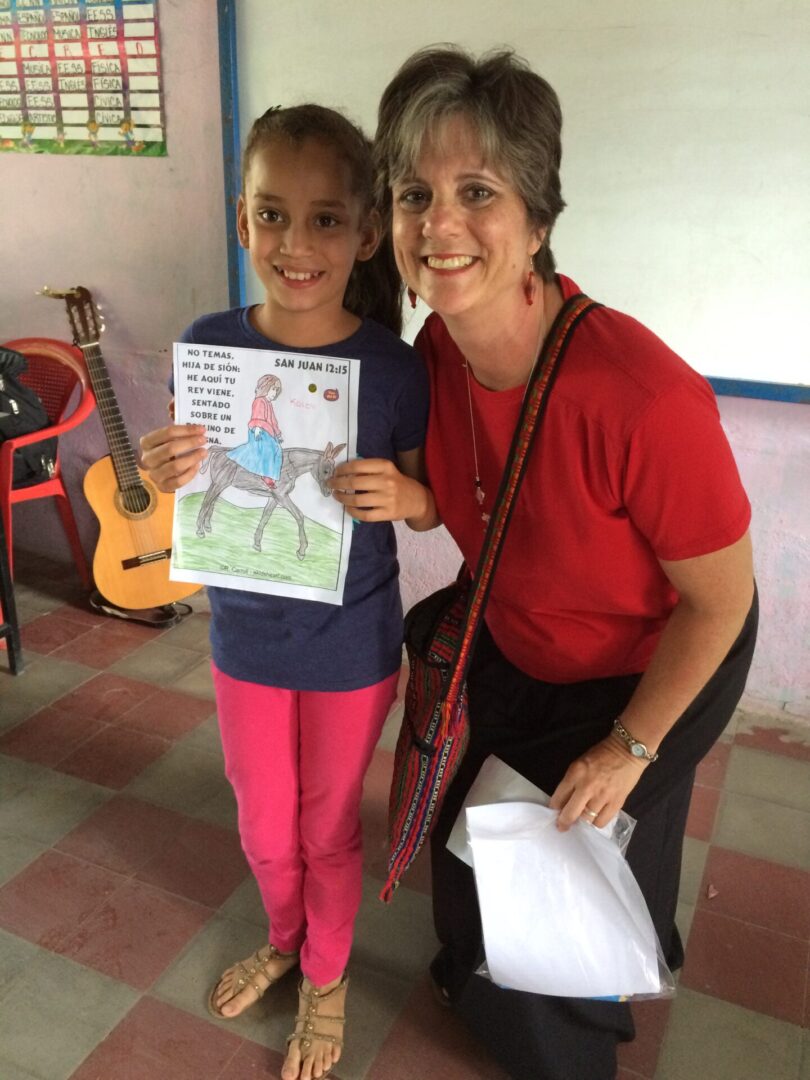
<point x="135" y="500"/>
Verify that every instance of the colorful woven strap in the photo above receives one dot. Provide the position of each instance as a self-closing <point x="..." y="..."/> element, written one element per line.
<point x="534" y="404"/>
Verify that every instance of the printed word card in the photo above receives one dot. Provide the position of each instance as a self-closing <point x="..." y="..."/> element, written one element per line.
<point x="81" y="78"/>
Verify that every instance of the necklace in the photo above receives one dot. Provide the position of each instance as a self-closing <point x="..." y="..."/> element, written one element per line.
<point x="478" y="493"/>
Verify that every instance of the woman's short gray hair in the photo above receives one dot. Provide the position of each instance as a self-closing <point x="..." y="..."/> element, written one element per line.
<point x="514" y="112"/>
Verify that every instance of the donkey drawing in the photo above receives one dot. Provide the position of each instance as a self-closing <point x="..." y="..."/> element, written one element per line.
<point x="320" y="464"/>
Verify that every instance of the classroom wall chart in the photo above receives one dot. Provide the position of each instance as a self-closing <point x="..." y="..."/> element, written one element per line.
<point x="81" y="78"/>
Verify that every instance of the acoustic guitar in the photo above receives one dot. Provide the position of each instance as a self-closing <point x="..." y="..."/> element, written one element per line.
<point x="131" y="563"/>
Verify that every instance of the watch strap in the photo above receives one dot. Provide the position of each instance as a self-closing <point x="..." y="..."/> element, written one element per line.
<point x="637" y="748"/>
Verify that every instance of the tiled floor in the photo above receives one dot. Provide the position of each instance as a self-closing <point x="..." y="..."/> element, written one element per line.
<point x="123" y="891"/>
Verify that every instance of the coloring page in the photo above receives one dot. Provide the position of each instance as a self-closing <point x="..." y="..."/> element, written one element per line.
<point x="259" y="515"/>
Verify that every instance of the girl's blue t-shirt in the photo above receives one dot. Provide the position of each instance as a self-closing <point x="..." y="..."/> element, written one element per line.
<point x="306" y="644"/>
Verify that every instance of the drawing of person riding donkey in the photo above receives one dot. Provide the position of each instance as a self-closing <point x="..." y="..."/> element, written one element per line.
<point x="260" y="467"/>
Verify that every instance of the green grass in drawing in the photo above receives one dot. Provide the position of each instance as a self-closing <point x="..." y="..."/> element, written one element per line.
<point x="228" y="548"/>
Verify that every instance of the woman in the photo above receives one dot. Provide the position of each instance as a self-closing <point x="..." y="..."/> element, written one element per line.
<point x="261" y="454"/>
<point x="622" y="618"/>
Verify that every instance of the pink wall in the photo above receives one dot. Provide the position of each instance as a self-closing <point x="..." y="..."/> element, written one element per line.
<point x="147" y="237"/>
<point x="771" y="441"/>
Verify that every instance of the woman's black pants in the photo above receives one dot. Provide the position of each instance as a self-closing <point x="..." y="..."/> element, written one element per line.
<point x="539" y="728"/>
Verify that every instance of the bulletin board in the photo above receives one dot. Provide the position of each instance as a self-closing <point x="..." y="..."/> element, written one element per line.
<point x="80" y="78"/>
<point x="686" y="149"/>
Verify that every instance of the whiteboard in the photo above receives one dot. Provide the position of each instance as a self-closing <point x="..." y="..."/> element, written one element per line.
<point x="686" y="148"/>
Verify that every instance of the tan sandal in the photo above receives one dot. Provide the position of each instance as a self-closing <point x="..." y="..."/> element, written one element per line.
<point x="247" y="977"/>
<point x="307" y="1033"/>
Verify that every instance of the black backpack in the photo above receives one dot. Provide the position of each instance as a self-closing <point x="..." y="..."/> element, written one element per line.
<point x="21" y="412"/>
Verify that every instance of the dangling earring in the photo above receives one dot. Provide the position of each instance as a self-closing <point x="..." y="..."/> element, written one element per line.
<point x="530" y="284"/>
<point x="412" y="298"/>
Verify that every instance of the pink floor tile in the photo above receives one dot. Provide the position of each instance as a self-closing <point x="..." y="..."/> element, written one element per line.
<point x="167" y="713"/>
<point x="702" y="812"/>
<point x="48" y="736"/>
<point x="790" y="741"/>
<point x="374" y="816"/>
<point x="155" y="1041"/>
<point x="641" y="1055"/>
<point x="746" y="965"/>
<point x="103" y="645"/>
<point x="201" y="862"/>
<point x="123" y="835"/>
<point x="135" y="934"/>
<point x="52" y="896"/>
<point x="711" y="772"/>
<point x="429" y="1041"/>
<point x="106" y="697"/>
<point x="254" y="1062"/>
<point x="50" y="632"/>
<point x="83" y="616"/>
<point x="113" y="757"/>
<point x="758" y="892"/>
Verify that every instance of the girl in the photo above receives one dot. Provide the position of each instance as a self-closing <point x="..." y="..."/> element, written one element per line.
<point x="261" y="454"/>
<point x="300" y="705"/>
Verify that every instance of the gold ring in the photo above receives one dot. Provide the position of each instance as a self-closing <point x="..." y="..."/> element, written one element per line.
<point x="591" y="813"/>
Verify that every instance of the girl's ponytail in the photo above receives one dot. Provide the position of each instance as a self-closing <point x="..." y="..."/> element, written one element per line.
<point x="375" y="288"/>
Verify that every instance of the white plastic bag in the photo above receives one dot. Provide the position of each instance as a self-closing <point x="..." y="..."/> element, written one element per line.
<point x="562" y="913"/>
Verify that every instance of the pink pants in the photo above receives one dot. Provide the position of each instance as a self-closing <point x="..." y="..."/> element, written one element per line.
<point x="296" y="761"/>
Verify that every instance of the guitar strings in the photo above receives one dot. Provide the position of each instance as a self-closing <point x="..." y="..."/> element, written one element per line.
<point x="135" y="497"/>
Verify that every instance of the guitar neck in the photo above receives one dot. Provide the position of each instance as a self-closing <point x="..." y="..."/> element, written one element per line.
<point x="123" y="456"/>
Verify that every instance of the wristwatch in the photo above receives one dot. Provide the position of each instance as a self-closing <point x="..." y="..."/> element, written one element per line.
<point x="636" y="748"/>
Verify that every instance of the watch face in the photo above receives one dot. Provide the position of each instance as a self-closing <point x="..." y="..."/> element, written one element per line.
<point x="638" y="750"/>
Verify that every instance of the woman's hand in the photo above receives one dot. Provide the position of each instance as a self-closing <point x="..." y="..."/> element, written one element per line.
<point x="598" y="781"/>
<point x="715" y="593"/>
<point x="172" y="455"/>
<point x="374" y="489"/>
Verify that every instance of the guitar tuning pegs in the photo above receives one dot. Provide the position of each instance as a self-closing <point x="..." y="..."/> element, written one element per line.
<point x="55" y="294"/>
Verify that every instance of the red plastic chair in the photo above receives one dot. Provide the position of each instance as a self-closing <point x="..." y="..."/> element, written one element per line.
<point x="55" y="370"/>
